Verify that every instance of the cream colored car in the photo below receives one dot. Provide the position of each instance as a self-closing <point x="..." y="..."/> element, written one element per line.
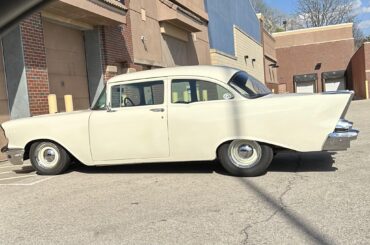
<point x="198" y="113"/>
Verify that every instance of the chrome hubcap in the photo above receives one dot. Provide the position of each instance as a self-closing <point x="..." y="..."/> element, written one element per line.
<point x="47" y="155"/>
<point x="244" y="153"/>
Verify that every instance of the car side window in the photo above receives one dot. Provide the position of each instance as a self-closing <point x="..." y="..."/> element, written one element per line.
<point x="189" y="91"/>
<point x="137" y="94"/>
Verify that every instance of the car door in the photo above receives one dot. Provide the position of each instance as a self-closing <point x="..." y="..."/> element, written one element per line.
<point x="199" y="111"/>
<point x="136" y="125"/>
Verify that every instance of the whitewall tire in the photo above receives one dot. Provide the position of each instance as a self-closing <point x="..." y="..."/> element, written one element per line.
<point x="245" y="158"/>
<point x="49" y="158"/>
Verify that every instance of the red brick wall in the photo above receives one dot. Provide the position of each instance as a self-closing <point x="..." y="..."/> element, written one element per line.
<point x="35" y="62"/>
<point x="116" y="47"/>
<point x="360" y="70"/>
<point x="299" y="60"/>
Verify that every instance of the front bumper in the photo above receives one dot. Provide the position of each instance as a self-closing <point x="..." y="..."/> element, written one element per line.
<point x="15" y="156"/>
<point x="340" y="139"/>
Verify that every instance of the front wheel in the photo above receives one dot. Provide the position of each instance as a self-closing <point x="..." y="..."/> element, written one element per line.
<point x="49" y="158"/>
<point x="245" y="158"/>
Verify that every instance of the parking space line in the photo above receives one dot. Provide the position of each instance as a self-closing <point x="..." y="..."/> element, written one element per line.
<point x="8" y="172"/>
<point x="28" y="184"/>
<point x="10" y="166"/>
<point x="18" y="177"/>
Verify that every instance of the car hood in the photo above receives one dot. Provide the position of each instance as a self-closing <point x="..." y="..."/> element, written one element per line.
<point x="46" y="123"/>
<point x="56" y="116"/>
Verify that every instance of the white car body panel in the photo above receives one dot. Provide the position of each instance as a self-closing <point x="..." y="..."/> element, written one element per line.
<point x="184" y="132"/>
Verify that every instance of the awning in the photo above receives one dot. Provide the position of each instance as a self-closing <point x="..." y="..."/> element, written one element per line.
<point x="333" y="74"/>
<point x="81" y="13"/>
<point x="115" y="3"/>
<point x="179" y="17"/>
<point x="305" y="77"/>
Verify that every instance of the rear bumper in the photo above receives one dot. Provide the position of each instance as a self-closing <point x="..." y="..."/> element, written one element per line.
<point x="340" y="139"/>
<point x="15" y="156"/>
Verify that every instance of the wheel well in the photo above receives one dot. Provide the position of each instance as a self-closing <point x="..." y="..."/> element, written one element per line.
<point x="275" y="148"/>
<point x="27" y="149"/>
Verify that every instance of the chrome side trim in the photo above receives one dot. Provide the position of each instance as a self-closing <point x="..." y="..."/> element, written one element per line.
<point x="15" y="156"/>
<point x="340" y="141"/>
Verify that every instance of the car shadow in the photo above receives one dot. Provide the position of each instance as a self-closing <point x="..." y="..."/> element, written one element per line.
<point x="303" y="162"/>
<point x="24" y="170"/>
<point x="152" y="168"/>
<point x="283" y="162"/>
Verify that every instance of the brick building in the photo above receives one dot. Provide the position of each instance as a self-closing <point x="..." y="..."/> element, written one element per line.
<point x="270" y="61"/>
<point x="61" y="50"/>
<point x="235" y="36"/>
<point x="309" y="60"/>
<point x="359" y="71"/>
<point x="70" y="47"/>
<point x="73" y="47"/>
<point x="168" y="33"/>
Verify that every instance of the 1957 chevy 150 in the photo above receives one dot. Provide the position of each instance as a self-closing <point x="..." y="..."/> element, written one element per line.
<point x="197" y="113"/>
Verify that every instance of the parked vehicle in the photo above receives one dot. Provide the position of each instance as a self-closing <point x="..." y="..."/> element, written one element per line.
<point x="197" y="113"/>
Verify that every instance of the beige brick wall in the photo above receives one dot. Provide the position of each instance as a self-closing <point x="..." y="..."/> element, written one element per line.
<point x="244" y="46"/>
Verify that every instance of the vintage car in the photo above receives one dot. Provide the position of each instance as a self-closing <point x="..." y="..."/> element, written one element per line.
<point x="195" y="113"/>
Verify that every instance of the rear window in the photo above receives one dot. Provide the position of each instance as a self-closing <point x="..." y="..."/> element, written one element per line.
<point x="248" y="86"/>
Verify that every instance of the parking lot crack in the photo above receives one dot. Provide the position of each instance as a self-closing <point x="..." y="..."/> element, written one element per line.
<point x="281" y="204"/>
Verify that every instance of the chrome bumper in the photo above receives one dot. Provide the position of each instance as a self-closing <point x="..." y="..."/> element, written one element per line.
<point x="15" y="156"/>
<point x="340" y="139"/>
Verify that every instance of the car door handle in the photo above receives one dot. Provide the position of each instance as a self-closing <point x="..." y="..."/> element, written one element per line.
<point x="157" y="110"/>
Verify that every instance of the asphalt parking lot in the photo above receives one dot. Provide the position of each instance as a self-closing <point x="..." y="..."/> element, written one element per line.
<point x="311" y="198"/>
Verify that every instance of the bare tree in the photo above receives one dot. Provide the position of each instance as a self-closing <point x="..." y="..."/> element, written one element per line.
<point x="314" y="13"/>
<point x="274" y="18"/>
<point x="358" y="35"/>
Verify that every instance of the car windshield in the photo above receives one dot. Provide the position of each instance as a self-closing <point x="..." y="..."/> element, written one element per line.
<point x="248" y="86"/>
<point x="101" y="103"/>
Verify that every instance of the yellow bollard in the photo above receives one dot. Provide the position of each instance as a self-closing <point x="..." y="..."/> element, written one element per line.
<point x="367" y="89"/>
<point x="68" y="101"/>
<point x="52" y="101"/>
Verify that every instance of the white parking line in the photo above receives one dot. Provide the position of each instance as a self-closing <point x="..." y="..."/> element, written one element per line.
<point x="19" y="177"/>
<point x="6" y="172"/>
<point x="28" y="184"/>
<point x="10" y="166"/>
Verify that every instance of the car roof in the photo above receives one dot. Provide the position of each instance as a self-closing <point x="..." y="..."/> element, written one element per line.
<point x="221" y="73"/>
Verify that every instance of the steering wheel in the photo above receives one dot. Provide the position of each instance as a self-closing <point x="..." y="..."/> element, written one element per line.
<point x="128" y="102"/>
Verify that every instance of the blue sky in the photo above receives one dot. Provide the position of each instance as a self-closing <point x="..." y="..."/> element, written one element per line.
<point x="362" y="7"/>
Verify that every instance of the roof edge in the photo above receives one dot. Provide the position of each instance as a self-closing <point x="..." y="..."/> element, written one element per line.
<point x="312" y="29"/>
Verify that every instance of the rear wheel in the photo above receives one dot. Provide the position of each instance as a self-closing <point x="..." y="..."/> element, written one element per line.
<point x="245" y="158"/>
<point x="49" y="158"/>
